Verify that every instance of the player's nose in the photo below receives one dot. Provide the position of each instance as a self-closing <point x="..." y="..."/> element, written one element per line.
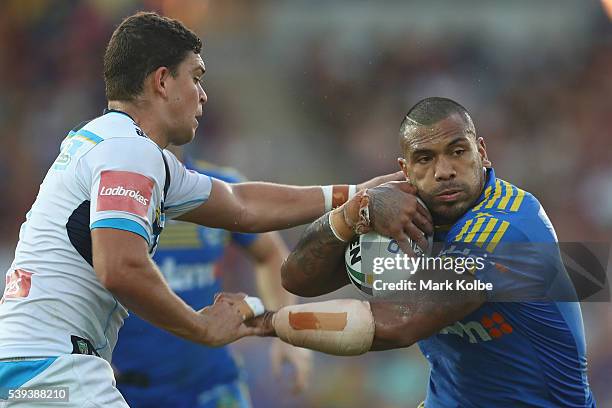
<point x="203" y="96"/>
<point x="444" y="170"/>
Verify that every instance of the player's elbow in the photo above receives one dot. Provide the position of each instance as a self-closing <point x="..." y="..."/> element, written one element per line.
<point x="292" y="279"/>
<point x="287" y="277"/>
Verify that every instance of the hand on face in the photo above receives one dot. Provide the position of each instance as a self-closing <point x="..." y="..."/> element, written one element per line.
<point x="395" y="212"/>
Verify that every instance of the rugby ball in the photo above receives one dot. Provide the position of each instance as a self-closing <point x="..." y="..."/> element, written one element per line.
<point x="363" y="270"/>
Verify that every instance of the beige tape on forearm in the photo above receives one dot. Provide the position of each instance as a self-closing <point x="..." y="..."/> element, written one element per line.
<point x="343" y="327"/>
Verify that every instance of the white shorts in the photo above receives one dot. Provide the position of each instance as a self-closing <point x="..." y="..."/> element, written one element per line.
<point x="88" y="380"/>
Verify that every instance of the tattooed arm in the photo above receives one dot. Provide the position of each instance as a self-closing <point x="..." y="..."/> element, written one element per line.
<point x="316" y="265"/>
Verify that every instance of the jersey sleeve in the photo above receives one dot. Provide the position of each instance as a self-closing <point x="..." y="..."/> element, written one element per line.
<point x="188" y="188"/>
<point x="125" y="178"/>
<point x="501" y="255"/>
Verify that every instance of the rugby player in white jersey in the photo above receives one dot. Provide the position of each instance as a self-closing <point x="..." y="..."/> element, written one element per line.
<point x="83" y="257"/>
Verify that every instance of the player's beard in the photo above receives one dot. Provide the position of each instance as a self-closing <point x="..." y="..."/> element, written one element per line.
<point x="448" y="213"/>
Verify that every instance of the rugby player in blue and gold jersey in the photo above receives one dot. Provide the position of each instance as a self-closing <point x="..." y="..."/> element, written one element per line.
<point x="527" y="352"/>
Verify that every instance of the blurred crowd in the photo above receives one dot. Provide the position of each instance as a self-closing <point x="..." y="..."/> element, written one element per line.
<point x="329" y="112"/>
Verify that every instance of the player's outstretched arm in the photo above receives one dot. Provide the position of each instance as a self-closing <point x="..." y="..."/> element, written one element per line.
<point x="352" y="327"/>
<point x="124" y="267"/>
<point x="315" y="267"/>
<point x="261" y="207"/>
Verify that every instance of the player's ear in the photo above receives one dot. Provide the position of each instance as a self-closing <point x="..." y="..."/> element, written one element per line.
<point x="403" y="166"/>
<point x="482" y="150"/>
<point x="159" y="79"/>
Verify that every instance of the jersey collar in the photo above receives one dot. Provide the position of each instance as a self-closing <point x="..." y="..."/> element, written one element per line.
<point x="489" y="187"/>
<point x="118" y="111"/>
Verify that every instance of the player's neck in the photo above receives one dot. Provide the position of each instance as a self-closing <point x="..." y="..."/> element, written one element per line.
<point x="177" y="151"/>
<point x="143" y="118"/>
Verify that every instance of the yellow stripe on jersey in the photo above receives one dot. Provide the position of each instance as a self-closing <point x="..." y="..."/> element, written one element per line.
<point x="180" y="235"/>
<point x="507" y="196"/>
<point x="85" y="138"/>
<point x="518" y="200"/>
<point x="470" y="236"/>
<point x="498" y="236"/>
<point x="482" y="238"/>
<point x="463" y="230"/>
<point x="498" y="192"/>
<point x="484" y="200"/>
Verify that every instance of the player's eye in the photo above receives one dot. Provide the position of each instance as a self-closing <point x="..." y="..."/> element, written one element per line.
<point x="424" y="159"/>
<point x="458" y="152"/>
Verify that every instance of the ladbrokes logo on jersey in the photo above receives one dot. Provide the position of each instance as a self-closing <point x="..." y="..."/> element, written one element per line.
<point x="124" y="191"/>
<point x="121" y="191"/>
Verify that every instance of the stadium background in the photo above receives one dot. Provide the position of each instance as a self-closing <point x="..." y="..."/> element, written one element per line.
<point x="313" y="92"/>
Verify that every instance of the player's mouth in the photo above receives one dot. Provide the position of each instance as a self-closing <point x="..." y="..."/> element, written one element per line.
<point x="449" y="195"/>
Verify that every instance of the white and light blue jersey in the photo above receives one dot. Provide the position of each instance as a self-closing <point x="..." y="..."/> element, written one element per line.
<point x="109" y="174"/>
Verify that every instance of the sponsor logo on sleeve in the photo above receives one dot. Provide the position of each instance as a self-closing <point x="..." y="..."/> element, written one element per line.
<point x="124" y="191"/>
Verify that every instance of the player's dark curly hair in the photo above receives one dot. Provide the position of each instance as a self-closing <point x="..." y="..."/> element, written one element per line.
<point x="141" y="44"/>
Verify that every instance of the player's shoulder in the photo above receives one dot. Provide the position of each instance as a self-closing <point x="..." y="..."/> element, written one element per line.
<point x="114" y="125"/>
<point x="119" y="135"/>
<point x="227" y="174"/>
<point x="504" y="212"/>
<point x="117" y="144"/>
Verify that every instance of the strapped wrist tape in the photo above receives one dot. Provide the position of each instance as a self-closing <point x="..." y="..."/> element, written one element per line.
<point x="343" y="327"/>
<point x="337" y="195"/>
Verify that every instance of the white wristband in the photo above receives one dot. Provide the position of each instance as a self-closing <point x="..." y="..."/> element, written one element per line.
<point x="328" y="193"/>
<point x="333" y="230"/>
<point x="255" y="304"/>
<point x="343" y="192"/>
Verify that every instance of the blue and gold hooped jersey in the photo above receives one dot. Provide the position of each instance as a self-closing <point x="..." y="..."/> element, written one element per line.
<point x="166" y="367"/>
<point x="527" y="352"/>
